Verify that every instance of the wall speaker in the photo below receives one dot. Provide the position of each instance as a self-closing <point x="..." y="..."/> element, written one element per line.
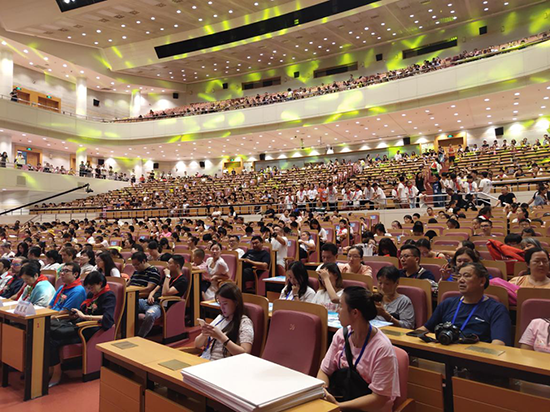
<point x="406" y="141"/>
<point x="100" y="162"/>
<point x="96" y="103"/>
<point x="202" y="165"/>
<point x="175" y="95"/>
<point x="379" y="57"/>
<point x="225" y="86"/>
<point x="262" y="156"/>
<point x="499" y="131"/>
<point x="155" y="165"/>
<point x="296" y="75"/>
<point x="482" y="30"/>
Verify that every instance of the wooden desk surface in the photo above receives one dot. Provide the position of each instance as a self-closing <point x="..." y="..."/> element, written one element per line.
<point x="520" y="359"/>
<point x="40" y="313"/>
<point x="148" y="355"/>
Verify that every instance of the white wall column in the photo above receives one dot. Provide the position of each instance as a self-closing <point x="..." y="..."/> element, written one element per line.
<point x="6" y="146"/>
<point x="81" y="96"/>
<point x="81" y="156"/>
<point x="6" y="71"/>
<point x="135" y="103"/>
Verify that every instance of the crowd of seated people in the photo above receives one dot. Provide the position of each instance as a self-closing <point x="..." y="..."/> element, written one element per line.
<point x="370" y="182"/>
<point x="81" y="253"/>
<point x="352" y="83"/>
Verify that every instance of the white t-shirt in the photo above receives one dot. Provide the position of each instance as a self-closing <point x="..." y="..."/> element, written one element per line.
<point x="215" y="349"/>
<point x="282" y="250"/>
<point x="485" y="185"/>
<point x="401" y="193"/>
<point x="323" y="298"/>
<point x="219" y="268"/>
<point x="308" y="296"/>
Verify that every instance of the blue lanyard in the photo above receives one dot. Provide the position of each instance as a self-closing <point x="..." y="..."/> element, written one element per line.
<point x="469" y="316"/>
<point x="362" y="350"/>
<point x="288" y="294"/>
<point x="209" y="338"/>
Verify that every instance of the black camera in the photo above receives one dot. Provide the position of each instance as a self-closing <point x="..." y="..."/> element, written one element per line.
<point x="447" y="333"/>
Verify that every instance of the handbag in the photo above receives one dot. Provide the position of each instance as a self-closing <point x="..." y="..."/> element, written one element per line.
<point x="346" y="383"/>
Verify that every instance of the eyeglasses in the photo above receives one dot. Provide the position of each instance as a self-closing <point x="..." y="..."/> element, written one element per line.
<point x="540" y="262"/>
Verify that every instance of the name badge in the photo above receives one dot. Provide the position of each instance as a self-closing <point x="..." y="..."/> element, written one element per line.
<point x="24" y="308"/>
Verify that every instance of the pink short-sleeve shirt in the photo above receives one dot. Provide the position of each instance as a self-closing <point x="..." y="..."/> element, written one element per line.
<point x="536" y="335"/>
<point x="378" y="365"/>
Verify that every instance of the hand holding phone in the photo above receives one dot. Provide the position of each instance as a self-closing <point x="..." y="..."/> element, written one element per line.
<point x="202" y="322"/>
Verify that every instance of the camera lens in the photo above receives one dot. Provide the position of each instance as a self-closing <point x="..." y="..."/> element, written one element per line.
<point x="445" y="337"/>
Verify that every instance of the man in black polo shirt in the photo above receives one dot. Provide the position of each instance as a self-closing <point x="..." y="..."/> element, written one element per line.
<point x="507" y="197"/>
<point x="256" y="258"/>
<point x="175" y="284"/>
<point x="410" y="260"/>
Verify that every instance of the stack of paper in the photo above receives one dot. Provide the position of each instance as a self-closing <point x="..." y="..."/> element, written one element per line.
<point x="247" y="383"/>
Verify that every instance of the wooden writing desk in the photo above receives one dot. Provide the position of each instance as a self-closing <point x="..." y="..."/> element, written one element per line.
<point x="493" y="361"/>
<point x="274" y="286"/>
<point x="133" y="379"/>
<point x="131" y="310"/>
<point x="25" y="342"/>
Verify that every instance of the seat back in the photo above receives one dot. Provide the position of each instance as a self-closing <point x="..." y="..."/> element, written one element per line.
<point x="51" y="278"/>
<point x="377" y="265"/>
<point x="129" y="269"/>
<point x="352" y="279"/>
<point x="297" y="336"/>
<point x="435" y="269"/>
<point x="118" y="287"/>
<point x="232" y="260"/>
<point x="418" y="299"/>
<point x="257" y="309"/>
<point x="426" y="286"/>
<point x="403" y="368"/>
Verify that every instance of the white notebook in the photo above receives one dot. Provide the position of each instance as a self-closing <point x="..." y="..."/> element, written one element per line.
<point x="247" y="383"/>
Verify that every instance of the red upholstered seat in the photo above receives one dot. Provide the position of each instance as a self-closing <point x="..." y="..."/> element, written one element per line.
<point x="126" y="255"/>
<point x="118" y="266"/>
<point x="435" y="269"/>
<point x="350" y="282"/>
<point x="129" y="269"/>
<point x="376" y="266"/>
<point x="402" y="403"/>
<point x="51" y="278"/>
<point x="314" y="283"/>
<point x="91" y="357"/>
<point x="446" y="242"/>
<point x="418" y="299"/>
<point x="257" y="316"/>
<point x="294" y="341"/>
<point x="495" y="272"/>
<point x="231" y="261"/>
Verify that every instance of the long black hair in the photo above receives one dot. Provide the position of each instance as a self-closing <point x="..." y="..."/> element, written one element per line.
<point x="108" y="262"/>
<point x="300" y="273"/>
<point x="231" y="291"/>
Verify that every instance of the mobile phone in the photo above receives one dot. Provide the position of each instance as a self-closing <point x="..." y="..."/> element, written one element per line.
<point x="416" y="333"/>
<point x="202" y="322"/>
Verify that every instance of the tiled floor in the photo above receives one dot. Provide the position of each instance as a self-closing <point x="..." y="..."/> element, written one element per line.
<point x="71" y="395"/>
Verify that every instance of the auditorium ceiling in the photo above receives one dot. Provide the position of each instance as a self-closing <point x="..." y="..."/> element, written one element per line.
<point x="117" y="26"/>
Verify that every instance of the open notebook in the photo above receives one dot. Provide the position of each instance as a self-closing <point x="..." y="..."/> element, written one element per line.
<point x="247" y="383"/>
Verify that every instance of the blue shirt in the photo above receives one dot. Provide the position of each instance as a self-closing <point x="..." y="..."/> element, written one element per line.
<point x="490" y="321"/>
<point x="75" y="297"/>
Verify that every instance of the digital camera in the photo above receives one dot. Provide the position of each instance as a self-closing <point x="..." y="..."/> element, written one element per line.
<point x="447" y="333"/>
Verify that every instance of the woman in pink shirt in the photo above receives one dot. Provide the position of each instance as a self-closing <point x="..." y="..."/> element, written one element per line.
<point x="537" y="336"/>
<point x="373" y="355"/>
